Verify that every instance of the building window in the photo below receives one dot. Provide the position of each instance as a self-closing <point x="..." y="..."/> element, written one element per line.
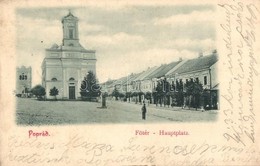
<point x="23" y="77"/>
<point x="54" y="79"/>
<point x="197" y="79"/>
<point x="205" y="80"/>
<point x="71" y="79"/>
<point x="71" y="33"/>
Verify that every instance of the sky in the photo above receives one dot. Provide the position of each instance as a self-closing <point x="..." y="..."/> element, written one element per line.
<point x="127" y="39"/>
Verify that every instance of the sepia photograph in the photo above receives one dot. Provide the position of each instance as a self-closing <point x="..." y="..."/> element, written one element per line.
<point x="116" y="83"/>
<point x="122" y="65"/>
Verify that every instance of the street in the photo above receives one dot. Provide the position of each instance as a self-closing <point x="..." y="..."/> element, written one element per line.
<point x="34" y="112"/>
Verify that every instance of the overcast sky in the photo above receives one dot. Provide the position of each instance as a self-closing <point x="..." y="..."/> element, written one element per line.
<point x="127" y="39"/>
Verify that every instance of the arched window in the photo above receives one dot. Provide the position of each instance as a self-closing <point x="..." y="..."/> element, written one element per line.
<point x="54" y="79"/>
<point x="71" y="79"/>
<point x="22" y="77"/>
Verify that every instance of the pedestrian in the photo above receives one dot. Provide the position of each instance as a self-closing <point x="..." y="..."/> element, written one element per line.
<point x="143" y="111"/>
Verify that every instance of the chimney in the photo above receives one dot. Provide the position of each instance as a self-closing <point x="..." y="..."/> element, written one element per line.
<point x="214" y="52"/>
<point x="180" y="58"/>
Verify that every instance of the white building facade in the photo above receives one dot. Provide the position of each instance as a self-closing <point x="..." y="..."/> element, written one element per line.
<point x="65" y="66"/>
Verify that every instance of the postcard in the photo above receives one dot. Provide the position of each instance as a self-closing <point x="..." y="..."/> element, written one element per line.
<point x="129" y="83"/>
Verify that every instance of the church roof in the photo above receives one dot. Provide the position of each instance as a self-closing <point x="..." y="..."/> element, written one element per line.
<point x="56" y="47"/>
<point x="69" y="16"/>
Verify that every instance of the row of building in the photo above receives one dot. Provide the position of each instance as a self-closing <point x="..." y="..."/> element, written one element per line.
<point x="202" y="69"/>
<point x="66" y="65"/>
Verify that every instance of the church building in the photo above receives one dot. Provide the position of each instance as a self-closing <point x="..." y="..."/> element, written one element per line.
<point x="65" y="66"/>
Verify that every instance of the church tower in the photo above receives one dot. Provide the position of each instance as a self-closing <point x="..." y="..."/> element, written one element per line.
<point x="70" y="30"/>
<point x="66" y="65"/>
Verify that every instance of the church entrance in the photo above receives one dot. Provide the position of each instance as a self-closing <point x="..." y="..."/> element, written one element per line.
<point x="72" y="92"/>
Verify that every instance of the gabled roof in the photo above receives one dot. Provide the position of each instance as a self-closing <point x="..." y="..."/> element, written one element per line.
<point x="122" y="80"/>
<point x="132" y="78"/>
<point x="200" y="63"/>
<point x="169" y="73"/>
<point x="107" y="83"/>
<point x="119" y="81"/>
<point x="146" y="73"/>
<point x="162" y="70"/>
<point x="126" y="79"/>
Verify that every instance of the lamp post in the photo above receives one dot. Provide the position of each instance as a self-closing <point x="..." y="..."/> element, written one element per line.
<point x="103" y="99"/>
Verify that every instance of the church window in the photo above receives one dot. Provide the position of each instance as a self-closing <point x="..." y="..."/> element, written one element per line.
<point x="25" y="77"/>
<point x="54" y="79"/>
<point x="20" y="77"/>
<point x="71" y="33"/>
<point x="205" y="80"/>
<point x="71" y="79"/>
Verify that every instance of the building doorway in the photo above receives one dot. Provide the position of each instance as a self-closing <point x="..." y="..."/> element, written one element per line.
<point x="72" y="92"/>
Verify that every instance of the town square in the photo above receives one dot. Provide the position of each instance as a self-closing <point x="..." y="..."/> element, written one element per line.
<point x="74" y="85"/>
<point x="34" y="112"/>
<point x="112" y="83"/>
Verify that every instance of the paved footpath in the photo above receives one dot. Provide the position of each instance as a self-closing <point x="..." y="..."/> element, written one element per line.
<point x="175" y="114"/>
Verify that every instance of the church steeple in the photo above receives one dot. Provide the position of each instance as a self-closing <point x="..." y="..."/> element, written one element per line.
<point x="70" y="30"/>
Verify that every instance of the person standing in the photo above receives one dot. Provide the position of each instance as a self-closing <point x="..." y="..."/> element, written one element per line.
<point x="143" y="112"/>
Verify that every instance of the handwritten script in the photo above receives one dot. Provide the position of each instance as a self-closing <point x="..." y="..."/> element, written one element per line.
<point x="239" y="29"/>
<point x="239" y="36"/>
<point x="79" y="150"/>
